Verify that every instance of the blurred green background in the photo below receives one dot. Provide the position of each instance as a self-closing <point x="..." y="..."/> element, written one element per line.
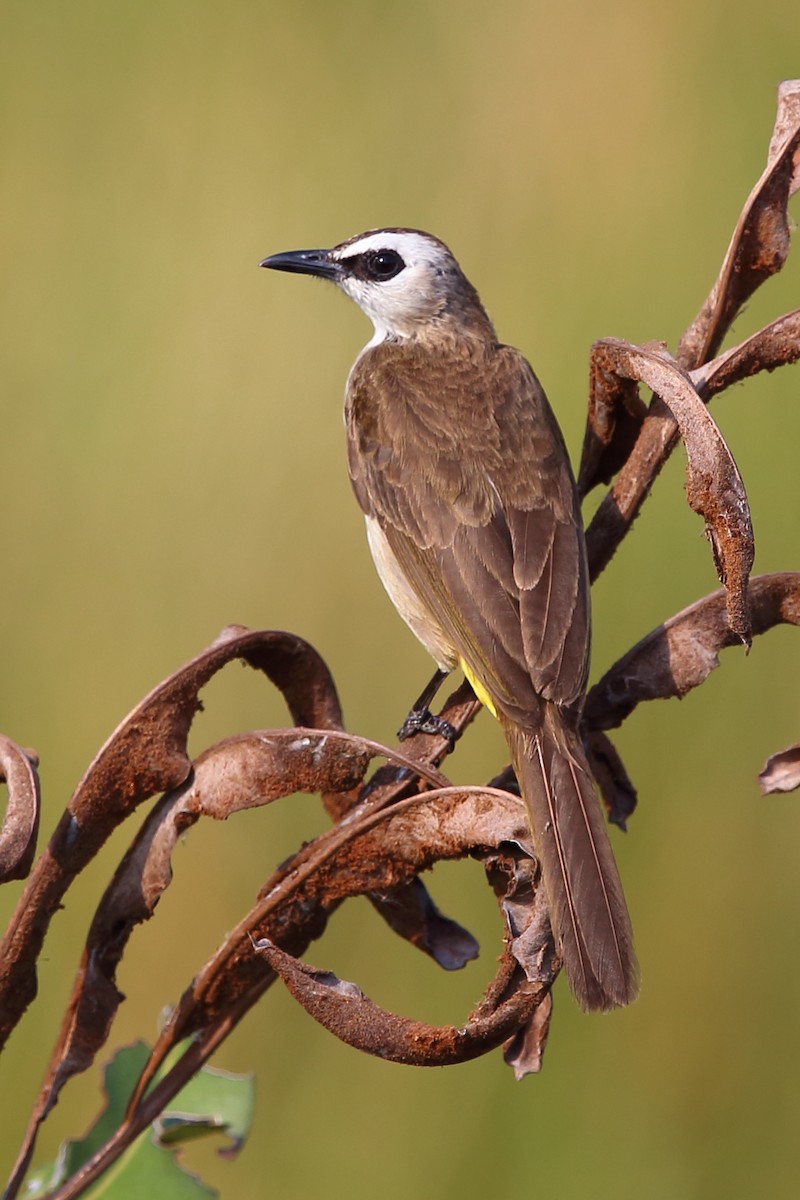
<point x="173" y="461"/>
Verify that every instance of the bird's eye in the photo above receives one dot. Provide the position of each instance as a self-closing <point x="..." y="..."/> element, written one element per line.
<point x="384" y="264"/>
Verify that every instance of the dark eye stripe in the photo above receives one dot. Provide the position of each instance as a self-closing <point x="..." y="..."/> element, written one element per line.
<point x="374" y="266"/>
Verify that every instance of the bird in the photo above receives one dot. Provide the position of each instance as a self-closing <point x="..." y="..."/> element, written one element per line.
<point x="474" y="524"/>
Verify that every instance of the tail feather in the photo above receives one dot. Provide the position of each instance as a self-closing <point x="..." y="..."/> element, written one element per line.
<point x="587" y="906"/>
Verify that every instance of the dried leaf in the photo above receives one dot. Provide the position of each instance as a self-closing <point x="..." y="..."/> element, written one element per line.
<point x="412" y="914"/>
<point x="524" y="1052"/>
<point x="21" y="821"/>
<point x="757" y="250"/>
<point x="781" y="772"/>
<point x="680" y="654"/>
<point x="714" y="487"/>
<point x="619" y="794"/>
<point x="344" y="1010"/>
<point x="615" y="416"/>
<point x="526" y="972"/>
<point x="146" y="755"/>
<point x="776" y="345"/>
<point x="380" y="850"/>
<point x="760" y="242"/>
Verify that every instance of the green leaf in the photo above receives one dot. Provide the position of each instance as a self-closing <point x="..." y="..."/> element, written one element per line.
<point x="213" y="1102"/>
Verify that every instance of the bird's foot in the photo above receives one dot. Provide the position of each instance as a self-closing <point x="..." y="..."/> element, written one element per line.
<point x="422" y="720"/>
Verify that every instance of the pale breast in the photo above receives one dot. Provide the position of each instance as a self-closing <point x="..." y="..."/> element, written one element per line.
<point x="420" y="621"/>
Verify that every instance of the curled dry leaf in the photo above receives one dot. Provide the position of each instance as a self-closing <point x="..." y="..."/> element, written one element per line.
<point x="21" y="820"/>
<point x="776" y="345"/>
<point x="412" y="914"/>
<point x="618" y="793"/>
<point x="408" y="909"/>
<point x="760" y="242"/>
<point x="781" y="772"/>
<point x="373" y="853"/>
<point x="240" y="773"/>
<point x="144" y="756"/>
<point x="757" y="250"/>
<point x="460" y="821"/>
<point x="714" y="487"/>
<point x="344" y="1010"/>
<point x="524" y="1051"/>
<point x="680" y="654"/>
<point x="615" y="416"/>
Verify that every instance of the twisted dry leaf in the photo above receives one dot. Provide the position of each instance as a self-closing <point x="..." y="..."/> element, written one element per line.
<point x="781" y="772"/>
<point x="21" y="820"/>
<point x="714" y="487"/>
<point x="776" y="345"/>
<point x="145" y="756"/>
<point x="680" y="654"/>
<point x="523" y="980"/>
<point x="760" y="242"/>
<point x="373" y="850"/>
<point x="757" y="250"/>
<point x="377" y="851"/>
<point x="616" y="789"/>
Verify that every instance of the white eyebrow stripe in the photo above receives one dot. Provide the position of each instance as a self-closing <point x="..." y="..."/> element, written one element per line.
<point x="408" y="245"/>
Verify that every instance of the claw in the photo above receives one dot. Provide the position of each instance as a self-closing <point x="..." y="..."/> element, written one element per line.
<point x="422" y="720"/>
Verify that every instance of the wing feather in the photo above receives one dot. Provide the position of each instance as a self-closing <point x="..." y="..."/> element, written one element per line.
<point x="473" y="490"/>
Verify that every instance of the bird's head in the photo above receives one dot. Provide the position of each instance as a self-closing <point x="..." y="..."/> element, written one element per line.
<point x="407" y="282"/>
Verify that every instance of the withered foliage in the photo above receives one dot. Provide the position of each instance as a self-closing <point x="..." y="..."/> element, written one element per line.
<point x="393" y="824"/>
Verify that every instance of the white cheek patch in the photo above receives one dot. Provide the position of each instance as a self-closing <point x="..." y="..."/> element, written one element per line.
<point x="395" y="306"/>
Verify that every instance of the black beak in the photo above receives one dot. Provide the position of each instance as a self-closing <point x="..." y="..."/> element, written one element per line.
<point x="305" y="262"/>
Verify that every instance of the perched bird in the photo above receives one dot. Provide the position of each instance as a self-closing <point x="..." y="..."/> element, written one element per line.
<point x="474" y="524"/>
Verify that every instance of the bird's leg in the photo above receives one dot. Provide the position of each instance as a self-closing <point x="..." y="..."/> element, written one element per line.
<point x="422" y="720"/>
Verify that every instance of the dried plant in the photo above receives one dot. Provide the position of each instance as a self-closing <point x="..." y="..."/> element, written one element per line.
<point x="389" y="826"/>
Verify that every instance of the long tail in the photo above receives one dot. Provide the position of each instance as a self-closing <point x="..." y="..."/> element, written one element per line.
<point x="587" y="906"/>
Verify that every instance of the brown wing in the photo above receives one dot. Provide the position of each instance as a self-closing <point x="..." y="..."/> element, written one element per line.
<point x="461" y="461"/>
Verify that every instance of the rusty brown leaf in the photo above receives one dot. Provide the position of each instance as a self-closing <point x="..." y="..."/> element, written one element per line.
<point x="776" y="345"/>
<point x="146" y="755"/>
<point x="344" y="1010"/>
<point x="757" y="250"/>
<point x="680" y="654"/>
<point x="378" y="850"/>
<point x="21" y="820"/>
<point x="760" y="242"/>
<point x="615" y="416"/>
<point x="526" y="970"/>
<point x="714" y="487"/>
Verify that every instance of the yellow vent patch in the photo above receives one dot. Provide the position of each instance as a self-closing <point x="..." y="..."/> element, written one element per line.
<point x="478" y="688"/>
